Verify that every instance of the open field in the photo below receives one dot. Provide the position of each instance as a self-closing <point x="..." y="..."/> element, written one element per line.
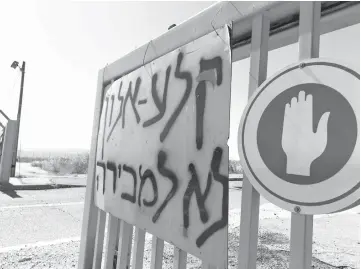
<point x="57" y="161"/>
<point x="43" y="154"/>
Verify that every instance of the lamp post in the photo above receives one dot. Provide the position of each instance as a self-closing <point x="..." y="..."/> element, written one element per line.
<point x="14" y="65"/>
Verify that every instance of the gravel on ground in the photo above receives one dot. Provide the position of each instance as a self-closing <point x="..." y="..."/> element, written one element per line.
<point x="273" y="252"/>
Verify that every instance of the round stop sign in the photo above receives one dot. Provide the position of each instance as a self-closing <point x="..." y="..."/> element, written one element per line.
<point x="298" y="139"/>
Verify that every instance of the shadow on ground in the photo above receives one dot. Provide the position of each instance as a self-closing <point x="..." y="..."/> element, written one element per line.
<point x="273" y="252"/>
<point x="9" y="188"/>
<point x="12" y="193"/>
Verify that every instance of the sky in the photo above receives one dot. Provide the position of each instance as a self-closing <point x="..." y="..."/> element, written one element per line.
<point x="65" y="43"/>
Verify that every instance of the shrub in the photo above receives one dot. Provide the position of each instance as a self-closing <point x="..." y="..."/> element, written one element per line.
<point x="80" y="164"/>
<point x="37" y="164"/>
<point x="77" y="164"/>
<point x="235" y="167"/>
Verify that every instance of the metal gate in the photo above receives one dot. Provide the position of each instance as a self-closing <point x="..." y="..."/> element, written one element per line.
<point x="257" y="28"/>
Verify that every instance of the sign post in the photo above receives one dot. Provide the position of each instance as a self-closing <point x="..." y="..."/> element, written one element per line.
<point x="302" y="225"/>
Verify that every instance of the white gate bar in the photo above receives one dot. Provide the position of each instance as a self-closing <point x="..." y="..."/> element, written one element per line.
<point x="90" y="214"/>
<point x="111" y="241"/>
<point x="217" y="15"/>
<point x="203" y="23"/>
<point x="125" y="245"/>
<point x="302" y="225"/>
<point x="138" y="248"/>
<point x="309" y="30"/>
<point x="157" y="253"/>
<point x="250" y="197"/>
<point x="328" y="23"/>
<point x="180" y="259"/>
<point x="99" y="240"/>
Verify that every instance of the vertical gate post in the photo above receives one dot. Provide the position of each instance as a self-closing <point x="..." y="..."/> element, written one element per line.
<point x="302" y="225"/>
<point x="250" y="197"/>
<point x="7" y="151"/>
<point x="89" y="227"/>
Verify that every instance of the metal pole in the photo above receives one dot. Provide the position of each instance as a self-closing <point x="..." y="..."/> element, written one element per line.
<point x="302" y="225"/>
<point x="248" y="239"/>
<point x="18" y="120"/>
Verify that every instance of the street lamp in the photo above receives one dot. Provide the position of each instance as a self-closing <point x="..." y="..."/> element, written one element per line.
<point x="15" y="65"/>
<point x="172" y="26"/>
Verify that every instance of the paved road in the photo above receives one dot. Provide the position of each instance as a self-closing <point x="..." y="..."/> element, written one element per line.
<point x="40" y="216"/>
<point x="48" y="215"/>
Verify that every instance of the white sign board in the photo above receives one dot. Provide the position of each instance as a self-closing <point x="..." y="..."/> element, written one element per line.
<point x="299" y="138"/>
<point x="162" y="155"/>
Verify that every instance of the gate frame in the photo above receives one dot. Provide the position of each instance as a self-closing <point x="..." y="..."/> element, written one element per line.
<point x="278" y="23"/>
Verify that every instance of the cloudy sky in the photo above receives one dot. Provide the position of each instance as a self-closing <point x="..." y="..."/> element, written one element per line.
<point x="65" y="44"/>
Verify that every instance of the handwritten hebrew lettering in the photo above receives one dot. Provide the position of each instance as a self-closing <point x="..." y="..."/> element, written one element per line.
<point x="105" y="122"/>
<point x="220" y="224"/>
<point x="133" y="99"/>
<point x="214" y="77"/>
<point x="193" y="187"/>
<point x="161" y="105"/>
<point x="102" y="165"/>
<point x="119" y="174"/>
<point x="210" y="71"/>
<point x="121" y="99"/>
<point x="126" y="196"/>
<point x="184" y="75"/>
<point x="112" y="167"/>
<point x="111" y="110"/>
<point x="162" y="156"/>
<point x="142" y="102"/>
<point x="166" y="172"/>
<point x="148" y="174"/>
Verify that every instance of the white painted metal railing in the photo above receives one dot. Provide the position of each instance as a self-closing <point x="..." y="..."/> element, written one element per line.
<point x="258" y="27"/>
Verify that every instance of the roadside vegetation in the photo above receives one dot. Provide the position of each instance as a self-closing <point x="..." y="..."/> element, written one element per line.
<point x="234" y="167"/>
<point x="78" y="163"/>
<point x="74" y="164"/>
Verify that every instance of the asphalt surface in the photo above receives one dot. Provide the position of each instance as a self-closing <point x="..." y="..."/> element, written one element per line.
<point x="40" y="216"/>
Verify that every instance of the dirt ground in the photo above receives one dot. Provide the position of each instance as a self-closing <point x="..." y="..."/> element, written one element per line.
<point x="336" y="245"/>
